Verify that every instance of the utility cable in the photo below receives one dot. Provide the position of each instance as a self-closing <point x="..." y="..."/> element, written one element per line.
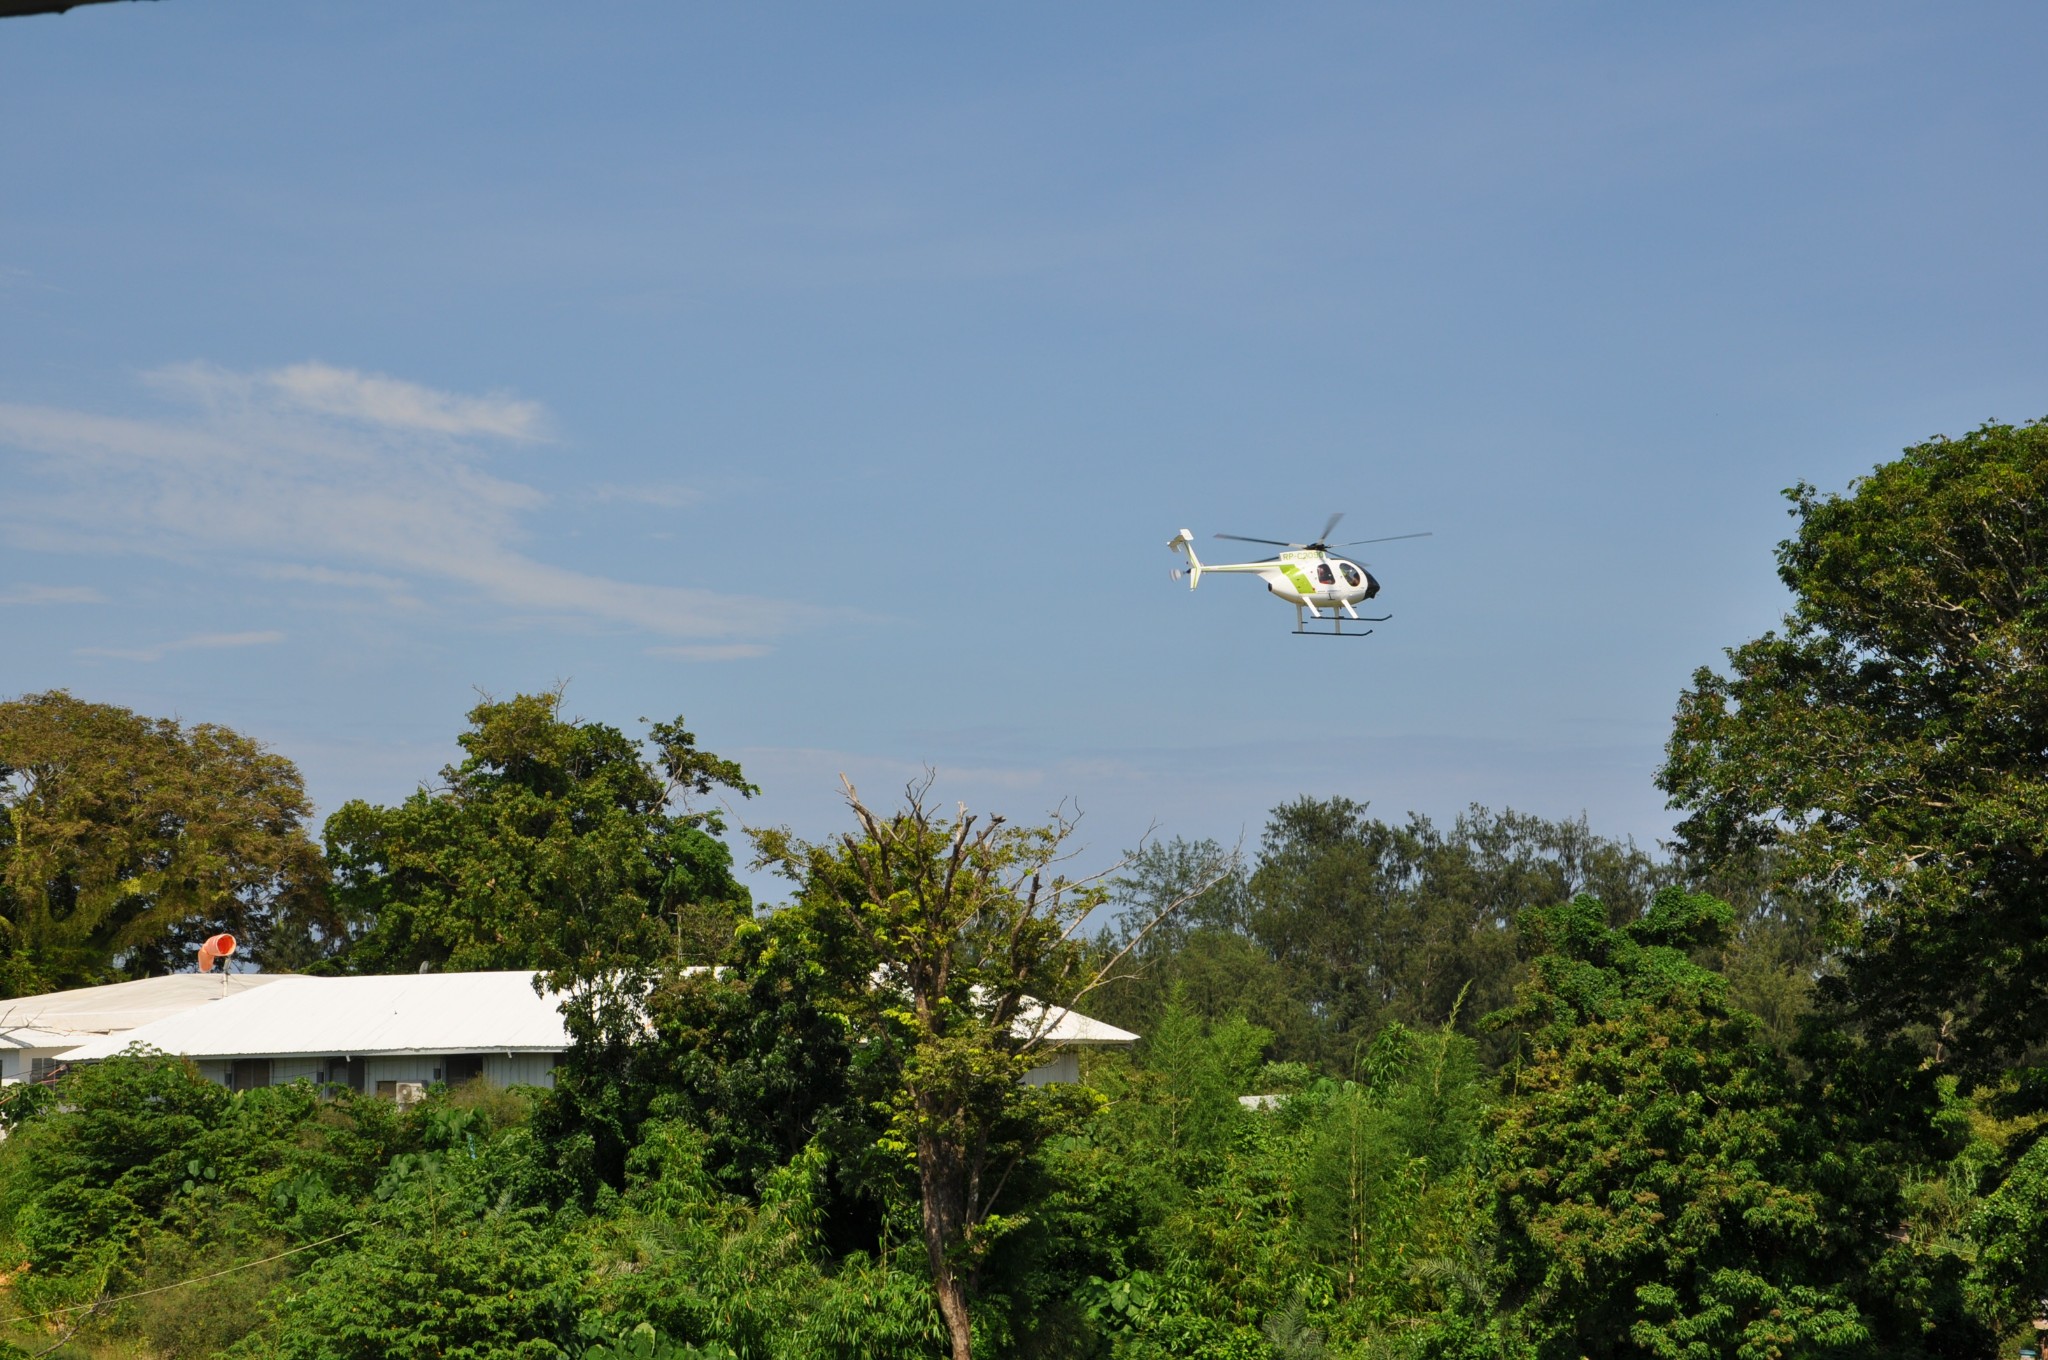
<point x="179" y="1284"/>
<point x="69" y="1332"/>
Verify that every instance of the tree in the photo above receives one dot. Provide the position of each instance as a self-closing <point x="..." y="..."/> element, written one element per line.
<point x="1375" y="923"/>
<point x="1781" y="942"/>
<point x="1381" y="1153"/>
<point x="555" y="844"/>
<point x="448" y="1266"/>
<point x="1201" y="956"/>
<point x="1891" y="745"/>
<point x="127" y="839"/>
<point x="753" y="1053"/>
<point x="1207" y="1219"/>
<point x="2009" y="1224"/>
<point x="1655" y="1182"/>
<point x="964" y="937"/>
<point x="1208" y="878"/>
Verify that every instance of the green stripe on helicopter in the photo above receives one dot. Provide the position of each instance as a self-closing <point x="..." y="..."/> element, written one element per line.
<point x="1297" y="578"/>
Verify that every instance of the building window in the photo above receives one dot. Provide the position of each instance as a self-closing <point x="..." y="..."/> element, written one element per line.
<point x="462" y="1067"/>
<point x="248" y="1074"/>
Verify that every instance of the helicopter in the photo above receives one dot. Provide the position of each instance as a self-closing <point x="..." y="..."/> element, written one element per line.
<point x="1308" y="576"/>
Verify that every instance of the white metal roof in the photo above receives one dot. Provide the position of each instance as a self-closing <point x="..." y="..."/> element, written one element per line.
<point x="60" y="1019"/>
<point x="419" y="1013"/>
<point x="390" y="1015"/>
<point x="1071" y="1028"/>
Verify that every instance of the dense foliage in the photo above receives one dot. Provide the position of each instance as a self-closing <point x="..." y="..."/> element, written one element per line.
<point x="950" y="931"/>
<point x="125" y="840"/>
<point x="554" y="844"/>
<point x="1501" y="1088"/>
<point x="1891" y="745"/>
<point x="1657" y="1185"/>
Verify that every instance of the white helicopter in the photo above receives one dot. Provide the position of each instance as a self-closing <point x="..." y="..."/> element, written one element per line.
<point x="1307" y="575"/>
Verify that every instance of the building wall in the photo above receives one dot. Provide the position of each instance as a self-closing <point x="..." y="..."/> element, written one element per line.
<point x="503" y="1069"/>
<point x="1063" y="1067"/>
<point x="500" y="1069"/>
<point x="521" y="1069"/>
<point x="424" y="1070"/>
<point x="19" y="1064"/>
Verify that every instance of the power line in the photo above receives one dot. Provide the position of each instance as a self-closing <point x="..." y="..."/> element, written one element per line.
<point x="179" y="1284"/>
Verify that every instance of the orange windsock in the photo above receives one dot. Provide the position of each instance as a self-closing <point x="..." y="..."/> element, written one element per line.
<point x="219" y="947"/>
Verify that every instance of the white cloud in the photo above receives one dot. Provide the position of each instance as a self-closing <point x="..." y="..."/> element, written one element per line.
<point x="198" y="642"/>
<point x="279" y="468"/>
<point x="51" y="595"/>
<point x="371" y="398"/>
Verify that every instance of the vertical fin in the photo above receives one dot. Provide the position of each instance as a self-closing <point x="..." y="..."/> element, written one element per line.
<point x="1184" y="541"/>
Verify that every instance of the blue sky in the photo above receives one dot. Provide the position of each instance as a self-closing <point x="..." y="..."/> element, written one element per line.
<point x="835" y="376"/>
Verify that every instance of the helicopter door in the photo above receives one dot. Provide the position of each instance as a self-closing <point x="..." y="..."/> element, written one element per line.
<point x="1324" y="576"/>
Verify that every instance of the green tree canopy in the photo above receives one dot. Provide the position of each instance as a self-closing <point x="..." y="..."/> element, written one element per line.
<point x="1375" y="923"/>
<point x="1891" y="744"/>
<point x="554" y="844"/>
<point x="1655" y="1182"/>
<point x="959" y="936"/>
<point x="127" y="839"/>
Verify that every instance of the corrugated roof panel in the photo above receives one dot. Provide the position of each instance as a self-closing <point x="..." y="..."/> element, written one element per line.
<point x="1071" y="1027"/>
<point x="125" y="1005"/>
<point x="420" y="1013"/>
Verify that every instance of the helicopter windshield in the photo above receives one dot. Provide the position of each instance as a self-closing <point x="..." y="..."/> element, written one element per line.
<point x="1351" y="576"/>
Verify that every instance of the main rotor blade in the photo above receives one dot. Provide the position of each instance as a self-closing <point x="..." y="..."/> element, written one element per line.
<point x="1324" y="536"/>
<point x="1240" y="538"/>
<point x="1426" y="533"/>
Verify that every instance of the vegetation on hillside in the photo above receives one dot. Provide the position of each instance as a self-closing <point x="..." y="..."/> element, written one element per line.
<point x="1499" y="1088"/>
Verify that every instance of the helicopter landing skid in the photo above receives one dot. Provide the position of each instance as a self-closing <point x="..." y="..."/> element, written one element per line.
<point x="1336" y="626"/>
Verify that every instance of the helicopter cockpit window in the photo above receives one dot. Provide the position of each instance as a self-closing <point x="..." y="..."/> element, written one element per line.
<point x="1324" y="576"/>
<point x="1351" y="576"/>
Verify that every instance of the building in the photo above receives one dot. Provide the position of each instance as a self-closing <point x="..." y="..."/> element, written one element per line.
<point x="395" y="1034"/>
<point x="366" y="1033"/>
<point x="1065" y="1034"/>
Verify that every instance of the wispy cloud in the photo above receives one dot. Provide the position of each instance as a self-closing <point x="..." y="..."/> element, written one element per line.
<point x="198" y="642"/>
<point x="50" y="595"/>
<point x="356" y="397"/>
<point x="392" y="402"/>
<point x="332" y="476"/>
